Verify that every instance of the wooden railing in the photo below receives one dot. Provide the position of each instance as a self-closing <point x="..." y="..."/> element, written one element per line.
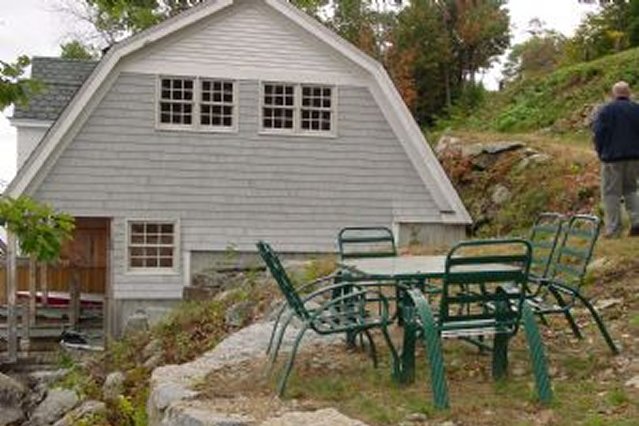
<point x="90" y="279"/>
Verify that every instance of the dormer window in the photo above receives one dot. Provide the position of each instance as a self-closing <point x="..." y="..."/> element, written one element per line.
<point x="199" y="104"/>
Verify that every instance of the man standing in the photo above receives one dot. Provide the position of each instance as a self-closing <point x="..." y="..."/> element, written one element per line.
<point x="617" y="142"/>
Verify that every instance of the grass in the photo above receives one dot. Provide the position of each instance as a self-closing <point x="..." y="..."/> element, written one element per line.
<point x="587" y="380"/>
<point x="560" y="101"/>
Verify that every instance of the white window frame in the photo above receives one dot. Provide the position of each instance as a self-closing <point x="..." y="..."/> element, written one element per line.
<point x="196" y="125"/>
<point x="293" y="108"/>
<point x="297" y="111"/>
<point x="174" y="269"/>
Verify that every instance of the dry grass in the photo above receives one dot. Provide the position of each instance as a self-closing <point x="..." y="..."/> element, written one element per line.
<point x="589" y="382"/>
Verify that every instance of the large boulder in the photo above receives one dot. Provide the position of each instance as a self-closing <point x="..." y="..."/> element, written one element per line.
<point x="10" y="415"/>
<point x="193" y="416"/>
<point x="113" y="386"/>
<point x="500" y="194"/>
<point x="11" y="391"/>
<point x="88" y="409"/>
<point x="325" y="417"/>
<point x="11" y="394"/>
<point x="238" y="314"/>
<point x="57" y="403"/>
<point x="172" y="385"/>
<point x="447" y="143"/>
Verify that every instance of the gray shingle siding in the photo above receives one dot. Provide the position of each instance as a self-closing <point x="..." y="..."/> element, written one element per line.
<point x="60" y="79"/>
<point x="233" y="188"/>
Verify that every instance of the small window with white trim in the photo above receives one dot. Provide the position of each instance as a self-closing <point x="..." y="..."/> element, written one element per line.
<point x="151" y="245"/>
<point x="196" y="104"/>
<point x="304" y="109"/>
<point x="317" y="112"/>
<point x="176" y="101"/>
<point x="216" y="103"/>
<point x="279" y="106"/>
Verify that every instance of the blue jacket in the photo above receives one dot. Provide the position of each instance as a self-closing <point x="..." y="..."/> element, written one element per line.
<point x="617" y="131"/>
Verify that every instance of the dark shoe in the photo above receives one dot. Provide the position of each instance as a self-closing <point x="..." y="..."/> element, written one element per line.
<point x="634" y="231"/>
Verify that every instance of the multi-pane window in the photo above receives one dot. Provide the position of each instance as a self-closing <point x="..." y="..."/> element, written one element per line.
<point x="176" y="101"/>
<point x="279" y="106"/>
<point x="196" y="104"/>
<point x="216" y="103"/>
<point x="316" y="108"/>
<point x="151" y="245"/>
<point x="297" y="108"/>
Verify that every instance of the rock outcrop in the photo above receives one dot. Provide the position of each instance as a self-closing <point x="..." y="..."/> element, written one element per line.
<point x="12" y="393"/>
<point x="173" y="387"/>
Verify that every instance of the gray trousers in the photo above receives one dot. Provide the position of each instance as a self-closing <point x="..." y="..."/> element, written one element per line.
<point x="619" y="180"/>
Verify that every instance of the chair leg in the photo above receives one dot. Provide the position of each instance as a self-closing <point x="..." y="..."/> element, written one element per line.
<point x="278" y="341"/>
<point x="537" y="356"/>
<point x="394" y="355"/>
<point x="291" y="360"/>
<point x="542" y="318"/>
<point x="275" y="326"/>
<point x="600" y="324"/>
<point x="500" y="356"/>
<point x="566" y="311"/>
<point x="372" y="347"/>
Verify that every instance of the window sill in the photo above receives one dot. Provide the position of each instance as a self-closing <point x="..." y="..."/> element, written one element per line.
<point x="189" y="129"/>
<point x="151" y="272"/>
<point x="327" y="135"/>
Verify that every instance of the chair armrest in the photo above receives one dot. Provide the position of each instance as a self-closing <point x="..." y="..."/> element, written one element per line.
<point x="562" y="287"/>
<point x="356" y="296"/>
<point x="311" y="284"/>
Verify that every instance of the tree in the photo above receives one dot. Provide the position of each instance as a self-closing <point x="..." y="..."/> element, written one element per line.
<point x="437" y="47"/>
<point x="480" y="32"/>
<point x="542" y="53"/>
<point x="615" y="27"/>
<point x="418" y="58"/>
<point x="76" y="50"/>
<point x="40" y="230"/>
<point x="14" y="88"/>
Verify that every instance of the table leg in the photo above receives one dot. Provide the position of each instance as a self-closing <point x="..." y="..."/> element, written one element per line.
<point x="407" y="369"/>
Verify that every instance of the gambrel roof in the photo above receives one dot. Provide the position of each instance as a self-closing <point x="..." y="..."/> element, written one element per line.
<point x="395" y="111"/>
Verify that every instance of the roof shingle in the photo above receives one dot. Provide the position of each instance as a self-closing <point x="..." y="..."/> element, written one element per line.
<point x="61" y="78"/>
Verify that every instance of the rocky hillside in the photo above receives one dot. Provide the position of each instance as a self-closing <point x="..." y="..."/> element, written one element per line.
<point x="505" y="181"/>
<point x="562" y="101"/>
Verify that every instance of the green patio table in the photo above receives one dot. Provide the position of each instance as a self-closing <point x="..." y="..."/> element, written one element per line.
<point x="405" y="272"/>
<point x="399" y="268"/>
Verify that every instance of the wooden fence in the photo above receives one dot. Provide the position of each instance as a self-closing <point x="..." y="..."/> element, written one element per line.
<point x="91" y="279"/>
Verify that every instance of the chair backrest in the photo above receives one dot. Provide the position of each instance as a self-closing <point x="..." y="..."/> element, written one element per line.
<point x="543" y="237"/>
<point x="574" y="250"/>
<point x="477" y="273"/>
<point x="366" y="241"/>
<point x="285" y="284"/>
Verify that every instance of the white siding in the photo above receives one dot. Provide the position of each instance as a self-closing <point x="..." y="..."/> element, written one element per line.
<point x="294" y="191"/>
<point x="248" y="40"/>
<point x="28" y="139"/>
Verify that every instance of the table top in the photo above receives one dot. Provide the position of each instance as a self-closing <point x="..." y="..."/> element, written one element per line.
<point x="399" y="266"/>
<point x="413" y="267"/>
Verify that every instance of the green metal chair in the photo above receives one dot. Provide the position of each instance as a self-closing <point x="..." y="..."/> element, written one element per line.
<point x="544" y="235"/>
<point x="474" y="305"/>
<point x="560" y="289"/>
<point x="347" y="313"/>
<point x="366" y="242"/>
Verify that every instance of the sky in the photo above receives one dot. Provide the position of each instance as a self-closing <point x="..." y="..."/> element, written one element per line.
<point x="37" y="28"/>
